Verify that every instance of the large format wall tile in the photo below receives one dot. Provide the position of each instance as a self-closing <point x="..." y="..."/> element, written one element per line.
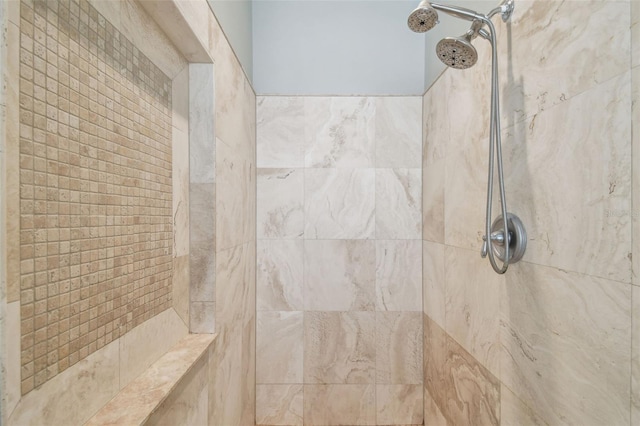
<point x="635" y="356"/>
<point x="398" y="275"/>
<point x="339" y="132"/>
<point x="280" y="336"/>
<point x="472" y="302"/>
<point x="340" y="405"/>
<point x="279" y="405"/>
<point x="339" y="347"/>
<point x="398" y="203"/>
<point x="635" y="167"/>
<point x="566" y="340"/>
<point x="399" y="348"/>
<point x="339" y="203"/>
<point x="280" y="131"/>
<point x="433" y="281"/>
<point x="339" y="275"/>
<point x="635" y="33"/>
<point x="280" y="203"/>
<point x="560" y="37"/>
<point x="279" y="277"/>
<point x="514" y="412"/>
<point x="398" y="138"/>
<point x="399" y="405"/>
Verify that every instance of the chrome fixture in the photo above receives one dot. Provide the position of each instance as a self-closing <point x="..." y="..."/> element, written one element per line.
<point x="506" y="238"/>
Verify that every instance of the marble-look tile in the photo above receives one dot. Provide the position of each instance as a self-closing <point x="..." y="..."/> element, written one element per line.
<point x="11" y="356"/>
<point x="181" y="101"/>
<point x="279" y="277"/>
<point x="436" y="135"/>
<point x="280" y="203"/>
<point x="399" y="405"/>
<point x="225" y="380"/>
<point x="435" y="378"/>
<point x="566" y="340"/>
<point x="433" y="282"/>
<point x="202" y="211"/>
<point x="339" y="347"/>
<point x="635" y="356"/>
<point x="472" y="301"/>
<point x="339" y="203"/>
<point x="339" y="405"/>
<point x="339" y="275"/>
<point x="180" y="180"/>
<point x="144" y="33"/>
<point x="635" y="169"/>
<point x="279" y="340"/>
<point x="514" y="412"/>
<point x="560" y="38"/>
<point x="146" y="343"/>
<point x="202" y="317"/>
<point x="339" y="132"/>
<point x="202" y="272"/>
<point x="202" y="140"/>
<point x="398" y="132"/>
<point x="280" y="131"/>
<point x="188" y="402"/>
<point x="635" y="33"/>
<point x="399" y="275"/>
<point x="399" y="348"/>
<point x="398" y="204"/>
<point x="235" y="289"/>
<point x="180" y="287"/>
<point x="235" y="197"/>
<point x="279" y="405"/>
<point x="88" y="386"/>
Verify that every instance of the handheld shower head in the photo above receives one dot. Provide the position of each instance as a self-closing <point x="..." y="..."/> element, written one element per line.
<point x="423" y="18"/>
<point x="457" y="52"/>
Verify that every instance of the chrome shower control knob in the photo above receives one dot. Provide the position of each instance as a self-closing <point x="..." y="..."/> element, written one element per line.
<point x="517" y="238"/>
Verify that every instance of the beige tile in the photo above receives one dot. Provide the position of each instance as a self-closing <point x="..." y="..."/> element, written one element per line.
<point x="88" y="385"/>
<point x="514" y="412"/>
<point x="339" y="203"/>
<point x="180" y="102"/>
<point x="635" y="356"/>
<point x="143" y="345"/>
<point x="280" y="203"/>
<point x="180" y="179"/>
<point x="399" y="275"/>
<point x="202" y="272"/>
<point x="398" y="203"/>
<point x="202" y="137"/>
<point x="436" y="383"/>
<point x="399" y="348"/>
<point x="279" y="277"/>
<point x="577" y="33"/>
<point x="339" y="405"/>
<point x="11" y="355"/>
<point x="226" y="381"/>
<point x="279" y="405"/>
<point x="339" y="347"/>
<point x="339" y="275"/>
<point x="279" y="352"/>
<point x="280" y="126"/>
<point x="180" y="287"/>
<point x="235" y="289"/>
<point x="433" y="281"/>
<point x="472" y="298"/>
<point x="433" y="190"/>
<point x="635" y="170"/>
<point x="339" y="132"/>
<point x="566" y="340"/>
<point x="635" y="33"/>
<point x="398" y="132"/>
<point x="202" y="317"/>
<point x="399" y="404"/>
<point x="111" y="11"/>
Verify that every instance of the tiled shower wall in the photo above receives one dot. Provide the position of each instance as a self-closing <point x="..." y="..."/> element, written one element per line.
<point x="95" y="186"/>
<point x="551" y="341"/>
<point x="339" y="328"/>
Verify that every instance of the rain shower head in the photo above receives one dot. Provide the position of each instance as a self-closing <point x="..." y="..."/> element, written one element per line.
<point x="423" y="18"/>
<point x="457" y="52"/>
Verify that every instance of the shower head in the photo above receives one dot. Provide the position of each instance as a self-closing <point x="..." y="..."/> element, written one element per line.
<point x="423" y="18"/>
<point x="457" y="52"/>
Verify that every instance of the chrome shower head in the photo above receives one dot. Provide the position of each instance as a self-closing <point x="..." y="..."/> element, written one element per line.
<point x="457" y="52"/>
<point x="423" y="18"/>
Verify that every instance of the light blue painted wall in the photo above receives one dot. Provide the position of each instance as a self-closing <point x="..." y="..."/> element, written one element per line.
<point x="235" y="18"/>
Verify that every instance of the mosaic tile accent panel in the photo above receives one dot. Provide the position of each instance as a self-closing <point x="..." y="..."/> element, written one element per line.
<point x="95" y="186"/>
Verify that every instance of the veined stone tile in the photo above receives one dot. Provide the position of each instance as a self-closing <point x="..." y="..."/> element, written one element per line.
<point x="635" y="33"/>
<point x="339" y="203"/>
<point x="202" y="140"/>
<point x="399" y="348"/>
<point x="398" y="275"/>
<point x="433" y="281"/>
<point x="339" y="347"/>
<point x="398" y="204"/>
<point x="339" y="132"/>
<point x="399" y="405"/>
<point x="280" y="203"/>
<point x="565" y="344"/>
<point x="339" y="275"/>
<point x="349" y="405"/>
<point x="280" y="131"/>
<point x="635" y="356"/>
<point x="280" y="336"/>
<point x="279" y="405"/>
<point x="279" y="279"/>
<point x="398" y="138"/>
<point x="635" y="167"/>
<point x="514" y="412"/>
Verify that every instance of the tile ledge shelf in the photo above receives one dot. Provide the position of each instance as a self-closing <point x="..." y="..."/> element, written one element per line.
<point x="137" y="401"/>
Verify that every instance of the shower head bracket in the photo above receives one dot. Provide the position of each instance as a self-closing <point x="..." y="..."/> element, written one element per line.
<point x="507" y="10"/>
